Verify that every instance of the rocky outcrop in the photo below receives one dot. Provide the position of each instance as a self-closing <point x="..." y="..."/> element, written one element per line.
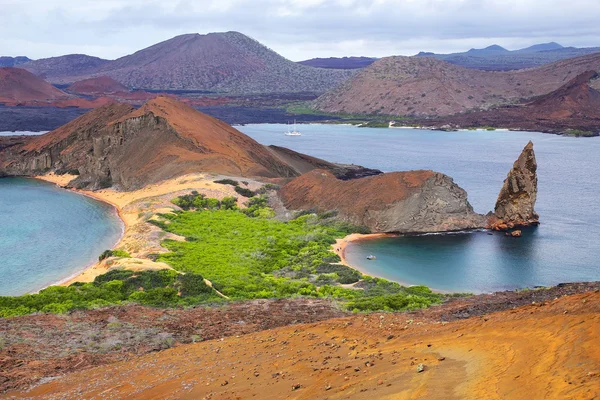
<point x="401" y="202"/>
<point x="516" y="201"/>
<point x="416" y="201"/>
<point x="119" y="146"/>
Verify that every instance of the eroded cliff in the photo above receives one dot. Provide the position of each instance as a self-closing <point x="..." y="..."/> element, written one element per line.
<point x="516" y="201"/>
<point x="402" y="202"/>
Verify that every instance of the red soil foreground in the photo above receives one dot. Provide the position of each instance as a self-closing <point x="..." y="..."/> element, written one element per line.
<point x="546" y="349"/>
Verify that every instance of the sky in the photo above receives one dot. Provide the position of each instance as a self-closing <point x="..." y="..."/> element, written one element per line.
<point x="297" y="29"/>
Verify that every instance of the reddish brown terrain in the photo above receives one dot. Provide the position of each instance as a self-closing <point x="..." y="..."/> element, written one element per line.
<point x="99" y="85"/>
<point x="426" y="86"/>
<point x="406" y="202"/>
<point x="132" y="148"/>
<point x="511" y="345"/>
<point x="18" y="85"/>
<point x="575" y="105"/>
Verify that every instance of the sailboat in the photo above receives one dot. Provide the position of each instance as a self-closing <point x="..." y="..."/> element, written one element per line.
<point x="294" y="132"/>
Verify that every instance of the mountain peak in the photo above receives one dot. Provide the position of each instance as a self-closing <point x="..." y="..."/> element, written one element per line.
<point x="493" y="48"/>
<point x="541" y="47"/>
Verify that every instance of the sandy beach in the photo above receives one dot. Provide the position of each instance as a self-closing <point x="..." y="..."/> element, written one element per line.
<point x="340" y="247"/>
<point x="135" y="208"/>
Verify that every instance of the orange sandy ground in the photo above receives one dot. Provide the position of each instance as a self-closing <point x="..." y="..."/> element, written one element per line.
<point x="541" y="351"/>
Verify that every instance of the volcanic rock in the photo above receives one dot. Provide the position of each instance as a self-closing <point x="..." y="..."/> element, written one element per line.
<point x="403" y="202"/>
<point x="118" y="146"/>
<point x="516" y="201"/>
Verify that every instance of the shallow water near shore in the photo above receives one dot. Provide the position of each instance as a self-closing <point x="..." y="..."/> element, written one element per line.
<point x="563" y="248"/>
<point x="49" y="234"/>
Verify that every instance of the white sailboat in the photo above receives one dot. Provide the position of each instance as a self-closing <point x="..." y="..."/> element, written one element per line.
<point x="294" y="132"/>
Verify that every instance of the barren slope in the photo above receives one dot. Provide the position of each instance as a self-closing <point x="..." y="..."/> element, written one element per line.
<point x="223" y="62"/>
<point x="543" y="350"/>
<point x="406" y="202"/>
<point x="574" y="105"/>
<point x="425" y="86"/>
<point x="101" y="84"/>
<point x="19" y="85"/>
<point x="117" y="145"/>
<point x="56" y="68"/>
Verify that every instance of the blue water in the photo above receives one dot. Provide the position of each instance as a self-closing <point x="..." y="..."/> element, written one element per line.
<point x="48" y="234"/>
<point x="564" y="248"/>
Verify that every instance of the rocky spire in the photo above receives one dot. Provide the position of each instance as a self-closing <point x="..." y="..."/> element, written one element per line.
<point x="516" y="201"/>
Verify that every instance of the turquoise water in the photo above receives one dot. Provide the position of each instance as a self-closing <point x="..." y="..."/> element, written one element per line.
<point x="48" y="234"/>
<point x="564" y="248"/>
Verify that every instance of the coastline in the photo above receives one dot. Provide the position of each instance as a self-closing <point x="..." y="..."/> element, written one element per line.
<point x="340" y="245"/>
<point x="91" y="271"/>
<point x="134" y="209"/>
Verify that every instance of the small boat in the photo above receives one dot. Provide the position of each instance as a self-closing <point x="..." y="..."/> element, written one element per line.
<point x="371" y="257"/>
<point x="294" y="132"/>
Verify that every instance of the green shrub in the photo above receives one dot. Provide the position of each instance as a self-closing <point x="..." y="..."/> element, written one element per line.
<point x="580" y="133"/>
<point x="163" y="288"/>
<point x="113" y="253"/>
<point x="227" y="182"/>
<point x="244" y="191"/>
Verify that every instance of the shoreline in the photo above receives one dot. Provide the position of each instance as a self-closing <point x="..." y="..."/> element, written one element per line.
<point x="340" y="246"/>
<point x="61" y="181"/>
<point x="134" y="209"/>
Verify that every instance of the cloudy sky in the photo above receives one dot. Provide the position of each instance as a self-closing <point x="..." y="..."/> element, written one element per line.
<point x="297" y="29"/>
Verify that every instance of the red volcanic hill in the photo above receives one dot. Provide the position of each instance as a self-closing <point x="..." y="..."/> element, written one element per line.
<point x="19" y="85"/>
<point x="574" y="98"/>
<point x="575" y="105"/>
<point x="119" y="146"/>
<point x="101" y="84"/>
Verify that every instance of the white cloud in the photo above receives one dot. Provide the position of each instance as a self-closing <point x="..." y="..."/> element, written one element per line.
<point x="298" y="29"/>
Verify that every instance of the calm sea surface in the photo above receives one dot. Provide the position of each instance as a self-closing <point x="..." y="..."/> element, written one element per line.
<point x="564" y="248"/>
<point x="48" y="234"/>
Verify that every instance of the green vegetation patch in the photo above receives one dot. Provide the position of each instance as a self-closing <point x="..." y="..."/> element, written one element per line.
<point x="580" y="133"/>
<point x="164" y="288"/>
<point x="113" y="253"/>
<point x="246" y="254"/>
<point x="196" y="200"/>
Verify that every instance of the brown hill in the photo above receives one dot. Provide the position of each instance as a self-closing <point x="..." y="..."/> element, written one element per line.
<point x="54" y="69"/>
<point x="117" y="145"/>
<point x="99" y="85"/>
<point x="221" y="62"/>
<point x="406" y="202"/>
<point x="574" y="106"/>
<point x="19" y="85"/>
<point x="546" y="349"/>
<point x="426" y="86"/>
